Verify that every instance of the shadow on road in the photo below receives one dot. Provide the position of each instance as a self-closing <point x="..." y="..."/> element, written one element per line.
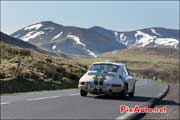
<point x="137" y="99"/>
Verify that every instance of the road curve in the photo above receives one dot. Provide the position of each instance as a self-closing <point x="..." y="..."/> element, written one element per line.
<point x="68" y="104"/>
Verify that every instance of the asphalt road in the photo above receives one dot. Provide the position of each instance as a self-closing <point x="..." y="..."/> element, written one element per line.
<point x="68" y="104"/>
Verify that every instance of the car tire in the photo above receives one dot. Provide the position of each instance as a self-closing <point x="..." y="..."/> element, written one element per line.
<point x="124" y="92"/>
<point x="131" y="94"/>
<point x="83" y="93"/>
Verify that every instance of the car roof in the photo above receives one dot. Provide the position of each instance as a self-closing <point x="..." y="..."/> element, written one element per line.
<point x="111" y="63"/>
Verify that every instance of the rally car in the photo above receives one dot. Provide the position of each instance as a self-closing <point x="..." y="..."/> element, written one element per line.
<point x="107" y="78"/>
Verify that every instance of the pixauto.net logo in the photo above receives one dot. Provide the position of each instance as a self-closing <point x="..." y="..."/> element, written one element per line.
<point x="137" y="109"/>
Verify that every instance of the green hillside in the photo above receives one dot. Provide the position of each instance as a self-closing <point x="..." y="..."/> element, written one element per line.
<point x="25" y="70"/>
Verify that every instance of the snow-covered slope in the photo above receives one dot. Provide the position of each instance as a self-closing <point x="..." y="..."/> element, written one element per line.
<point x="95" y="40"/>
<point x="67" y="39"/>
<point x="22" y="44"/>
<point x="145" y="37"/>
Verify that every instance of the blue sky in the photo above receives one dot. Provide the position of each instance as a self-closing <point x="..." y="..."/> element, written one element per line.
<point x="116" y="15"/>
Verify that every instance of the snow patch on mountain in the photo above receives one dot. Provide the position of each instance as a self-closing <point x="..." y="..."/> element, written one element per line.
<point x="154" y="31"/>
<point x="49" y="28"/>
<point x="91" y="53"/>
<point x="76" y="39"/>
<point x="121" y="35"/>
<point x="121" y="38"/>
<point x="116" y="34"/>
<point x="118" y="38"/>
<point x="53" y="47"/>
<point x="57" y="36"/>
<point x="167" y="42"/>
<point x="35" y="26"/>
<point x="82" y="45"/>
<point x="115" y="51"/>
<point x="143" y="39"/>
<point x="59" y="51"/>
<point x="16" y="36"/>
<point x="124" y="38"/>
<point x="31" y="35"/>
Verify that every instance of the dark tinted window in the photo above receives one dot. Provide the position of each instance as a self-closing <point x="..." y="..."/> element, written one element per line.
<point x="104" y="67"/>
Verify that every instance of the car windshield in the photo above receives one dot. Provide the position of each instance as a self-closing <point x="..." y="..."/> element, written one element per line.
<point x="104" y="67"/>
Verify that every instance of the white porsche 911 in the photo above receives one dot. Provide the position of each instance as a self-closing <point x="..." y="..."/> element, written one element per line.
<point x="107" y="78"/>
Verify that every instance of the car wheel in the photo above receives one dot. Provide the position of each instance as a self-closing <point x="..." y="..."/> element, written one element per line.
<point x="131" y="94"/>
<point x="124" y="92"/>
<point x="83" y="93"/>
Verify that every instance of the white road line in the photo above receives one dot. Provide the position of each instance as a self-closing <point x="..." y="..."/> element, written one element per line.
<point x="50" y="97"/>
<point x="73" y="94"/>
<point x="5" y="103"/>
<point x="43" y="98"/>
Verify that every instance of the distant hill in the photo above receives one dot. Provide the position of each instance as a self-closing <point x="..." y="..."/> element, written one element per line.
<point x="161" y="63"/>
<point x="17" y="42"/>
<point x="145" y="51"/>
<point x="22" y="44"/>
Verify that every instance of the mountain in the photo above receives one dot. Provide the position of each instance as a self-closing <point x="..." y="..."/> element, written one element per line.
<point x="155" y="52"/>
<point x="67" y="39"/>
<point x="14" y="41"/>
<point x="155" y="36"/>
<point x="95" y="40"/>
<point x="22" y="44"/>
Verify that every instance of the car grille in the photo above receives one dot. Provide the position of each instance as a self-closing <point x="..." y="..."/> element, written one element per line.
<point x="95" y="82"/>
<point x="100" y="82"/>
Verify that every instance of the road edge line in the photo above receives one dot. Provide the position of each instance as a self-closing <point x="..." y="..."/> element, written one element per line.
<point x="5" y="103"/>
<point x="43" y="98"/>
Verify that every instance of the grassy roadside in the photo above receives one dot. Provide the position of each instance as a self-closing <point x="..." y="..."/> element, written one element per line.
<point x="23" y="70"/>
<point x="25" y="85"/>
